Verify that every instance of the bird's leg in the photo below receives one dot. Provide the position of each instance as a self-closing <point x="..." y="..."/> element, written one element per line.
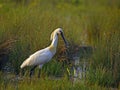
<point x="32" y="70"/>
<point x="39" y="73"/>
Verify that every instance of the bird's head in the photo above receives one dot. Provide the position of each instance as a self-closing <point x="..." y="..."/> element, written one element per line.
<point x="57" y="32"/>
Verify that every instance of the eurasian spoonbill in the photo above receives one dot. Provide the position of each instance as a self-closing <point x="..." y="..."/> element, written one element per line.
<point x="41" y="57"/>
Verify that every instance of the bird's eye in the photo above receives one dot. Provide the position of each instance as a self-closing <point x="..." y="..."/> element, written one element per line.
<point x="60" y="32"/>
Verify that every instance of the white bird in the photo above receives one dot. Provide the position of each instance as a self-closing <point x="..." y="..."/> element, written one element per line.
<point x="41" y="57"/>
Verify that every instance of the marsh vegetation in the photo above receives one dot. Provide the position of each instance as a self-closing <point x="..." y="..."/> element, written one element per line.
<point x="29" y="23"/>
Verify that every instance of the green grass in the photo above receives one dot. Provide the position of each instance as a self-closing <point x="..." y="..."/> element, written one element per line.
<point x="46" y="83"/>
<point x="95" y="23"/>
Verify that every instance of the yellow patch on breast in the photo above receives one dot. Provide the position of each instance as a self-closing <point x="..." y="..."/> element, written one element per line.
<point x="52" y="49"/>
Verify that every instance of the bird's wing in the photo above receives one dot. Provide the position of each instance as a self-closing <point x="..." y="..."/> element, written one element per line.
<point x="40" y="57"/>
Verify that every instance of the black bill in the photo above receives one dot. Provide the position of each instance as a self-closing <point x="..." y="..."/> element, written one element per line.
<point x="66" y="44"/>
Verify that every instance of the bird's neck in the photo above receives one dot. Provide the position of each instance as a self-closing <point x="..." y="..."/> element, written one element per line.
<point x="53" y="45"/>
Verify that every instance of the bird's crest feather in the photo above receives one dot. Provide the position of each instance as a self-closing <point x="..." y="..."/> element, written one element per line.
<point x="51" y="38"/>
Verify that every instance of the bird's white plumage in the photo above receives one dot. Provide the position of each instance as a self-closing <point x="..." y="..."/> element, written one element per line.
<point x="38" y="58"/>
<point x="42" y="56"/>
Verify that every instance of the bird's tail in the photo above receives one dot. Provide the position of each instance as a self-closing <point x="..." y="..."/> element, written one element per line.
<point x="24" y="64"/>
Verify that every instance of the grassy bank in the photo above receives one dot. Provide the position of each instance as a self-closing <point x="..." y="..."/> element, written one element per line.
<point x="46" y="83"/>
